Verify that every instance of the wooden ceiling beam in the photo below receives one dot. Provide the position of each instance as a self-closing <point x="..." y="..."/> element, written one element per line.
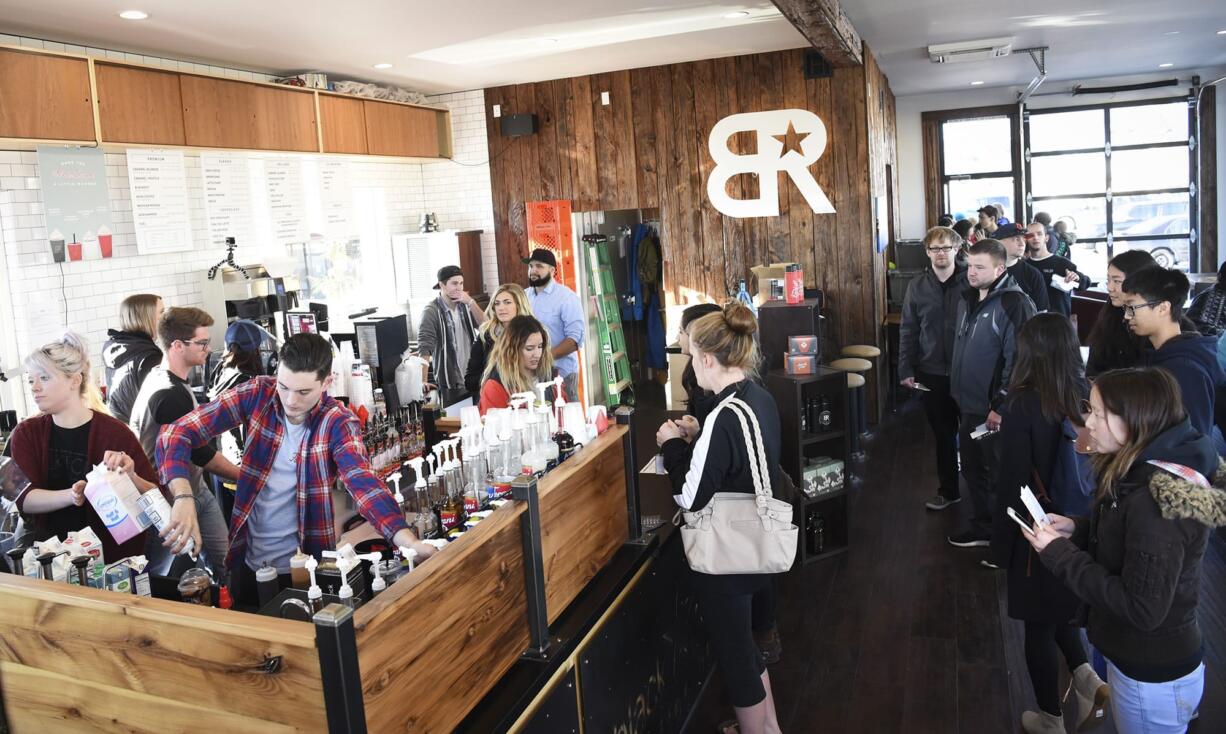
<point x="824" y="24"/>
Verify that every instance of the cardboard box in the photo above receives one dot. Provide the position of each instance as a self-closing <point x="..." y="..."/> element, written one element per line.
<point x="764" y="275"/>
<point x="800" y="364"/>
<point x="806" y="344"/>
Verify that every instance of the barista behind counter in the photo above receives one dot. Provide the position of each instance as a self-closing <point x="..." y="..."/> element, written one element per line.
<point x="297" y="437"/>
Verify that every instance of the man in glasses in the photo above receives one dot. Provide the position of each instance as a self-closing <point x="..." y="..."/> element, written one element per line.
<point x="164" y="398"/>
<point x="1055" y="269"/>
<point x="926" y="348"/>
<point x="1154" y="298"/>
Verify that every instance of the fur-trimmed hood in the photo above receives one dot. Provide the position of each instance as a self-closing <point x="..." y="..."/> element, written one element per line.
<point x="1180" y="499"/>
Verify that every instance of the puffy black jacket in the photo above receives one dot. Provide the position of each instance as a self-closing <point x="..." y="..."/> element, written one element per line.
<point x="127" y="356"/>
<point x="929" y="322"/>
<point x="1139" y="574"/>
<point x="986" y="344"/>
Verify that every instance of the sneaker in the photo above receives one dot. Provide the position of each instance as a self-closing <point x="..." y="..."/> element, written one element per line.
<point x="969" y="539"/>
<point x="940" y="502"/>
<point x="988" y="564"/>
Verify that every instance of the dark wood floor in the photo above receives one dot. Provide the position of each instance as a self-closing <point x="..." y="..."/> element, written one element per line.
<point x="907" y="634"/>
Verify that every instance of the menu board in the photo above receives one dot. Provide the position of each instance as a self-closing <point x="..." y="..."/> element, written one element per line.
<point x="157" y="182"/>
<point x="286" y="200"/>
<point x="336" y="198"/>
<point x="76" y="207"/>
<point x="227" y="198"/>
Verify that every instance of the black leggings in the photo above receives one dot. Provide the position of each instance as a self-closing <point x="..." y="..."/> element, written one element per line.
<point x="1042" y="641"/>
<point x="729" y="622"/>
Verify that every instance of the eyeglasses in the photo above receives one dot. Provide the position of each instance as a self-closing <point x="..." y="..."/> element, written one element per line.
<point x="942" y="249"/>
<point x="1130" y="311"/>
<point x="202" y="343"/>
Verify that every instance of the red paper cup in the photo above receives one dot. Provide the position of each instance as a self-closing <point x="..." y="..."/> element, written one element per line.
<point x="104" y="243"/>
<point x="74" y="250"/>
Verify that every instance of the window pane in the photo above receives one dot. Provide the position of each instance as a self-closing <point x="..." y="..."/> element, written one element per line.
<point x="1066" y="130"/>
<point x="1154" y="168"/>
<point x="1150" y="214"/>
<point x="1172" y="253"/>
<point x="1084" y="217"/>
<point x="1161" y="123"/>
<point x="1090" y="259"/>
<point x="1060" y="175"/>
<point x="977" y="146"/>
<point x="966" y="196"/>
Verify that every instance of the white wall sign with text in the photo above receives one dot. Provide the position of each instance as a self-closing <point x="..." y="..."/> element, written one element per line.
<point x="787" y="140"/>
<point x="157" y="183"/>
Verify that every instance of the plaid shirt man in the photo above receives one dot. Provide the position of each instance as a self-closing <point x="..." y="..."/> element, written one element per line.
<point x="333" y="448"/>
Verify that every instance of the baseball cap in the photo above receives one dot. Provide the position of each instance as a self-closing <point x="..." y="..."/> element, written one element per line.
<point x="541" y="255"/>
<point x="446" y="273"/>
<point x="1009" y="230"/>
<point x="245" y="335"/>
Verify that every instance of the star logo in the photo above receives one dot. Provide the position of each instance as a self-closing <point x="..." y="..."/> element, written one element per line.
<point x="791" y="141"/>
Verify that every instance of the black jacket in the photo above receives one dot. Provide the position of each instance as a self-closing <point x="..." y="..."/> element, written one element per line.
<point x="127" y="356"/>
<point x="1192" y="360"/>
<point x="1208" y="312"/>
<point x="1139" y="572"/>
<point x="985" y="345"/>
<point x="929" y="322"/>
<point x="477" y="358"/>
<point x="1061" y="301"/>
<point x="1031" y="281"/>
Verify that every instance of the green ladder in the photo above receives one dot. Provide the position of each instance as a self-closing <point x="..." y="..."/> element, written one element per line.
<point x="608" y="321"/>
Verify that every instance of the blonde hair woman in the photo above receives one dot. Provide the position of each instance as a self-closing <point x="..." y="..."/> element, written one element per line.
<point x="131" y="352"/>
<point x="521" y="359"/>
<point x="59" y="446"/>
<point x="508" y="301"/>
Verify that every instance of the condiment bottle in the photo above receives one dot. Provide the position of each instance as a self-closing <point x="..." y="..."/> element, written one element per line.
<point x="299" y="578"/>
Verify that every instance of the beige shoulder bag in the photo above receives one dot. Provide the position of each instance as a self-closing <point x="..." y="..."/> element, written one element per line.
<point x="738" y="532"/>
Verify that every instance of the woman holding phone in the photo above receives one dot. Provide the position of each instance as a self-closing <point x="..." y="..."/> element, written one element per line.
<point x="1135" y="562"/>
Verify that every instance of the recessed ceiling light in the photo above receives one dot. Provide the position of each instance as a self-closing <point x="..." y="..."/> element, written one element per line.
<point x="133" y="15"/>
<point x="1165" y="66"/>
<point x="1171" y="33"/>
<point x="737" y="14"/>
<point x="976" y="83"/>
<point x="1222" y="32"/>
<point x="549" y="40"/>
<point x="383" y="65"/>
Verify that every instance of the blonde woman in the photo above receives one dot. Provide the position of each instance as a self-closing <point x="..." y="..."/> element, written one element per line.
<point x="59" y="446"/>
<point x="131" y="352"/>
<point x="509" y="301"/>
<point x="520" y="360"/>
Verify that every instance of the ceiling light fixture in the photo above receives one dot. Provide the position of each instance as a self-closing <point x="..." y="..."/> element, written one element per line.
<point x="737" y="14"/>
<point x="133" y="15"/>
<point x="383" y="65"/>
<point x="1165" y="66"/>
<point x="976" y="83"/>
<point x="1222" y="32"/>
<point x="1171" y="33"/>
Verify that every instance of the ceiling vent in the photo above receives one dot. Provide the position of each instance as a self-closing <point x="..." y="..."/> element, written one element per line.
<point x="990" y="48"/>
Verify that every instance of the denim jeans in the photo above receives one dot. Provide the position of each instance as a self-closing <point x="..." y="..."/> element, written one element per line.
<point x="214" y="536"/>
<point x="1154" y="708"/>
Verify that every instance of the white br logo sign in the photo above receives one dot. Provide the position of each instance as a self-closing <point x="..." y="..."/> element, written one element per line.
<point x="788" y="140"/>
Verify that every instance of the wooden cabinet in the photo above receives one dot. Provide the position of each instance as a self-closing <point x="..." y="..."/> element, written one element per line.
<point x="44" y="97"/>
<point x="139" y="105"/>
<point x="343" y="122"/>
<point x="400" y="130"/>
<point x="219" y="113"/>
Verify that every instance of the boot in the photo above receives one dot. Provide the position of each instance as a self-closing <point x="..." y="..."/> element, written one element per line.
<point x="769" y="645"/>
<point x="1041" y="722"/>
<point x="1093" y="697"/>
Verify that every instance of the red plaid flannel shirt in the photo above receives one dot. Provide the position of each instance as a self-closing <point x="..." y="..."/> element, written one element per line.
<point x="333" y="449"/>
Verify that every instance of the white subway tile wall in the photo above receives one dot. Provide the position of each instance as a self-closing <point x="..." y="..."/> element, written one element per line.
<point x="86" y="294"/>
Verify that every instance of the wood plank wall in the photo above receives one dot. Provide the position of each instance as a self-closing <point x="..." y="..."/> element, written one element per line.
<point x="648" y="149"/>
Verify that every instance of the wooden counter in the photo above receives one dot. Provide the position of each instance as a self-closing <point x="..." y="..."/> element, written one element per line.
<point x="429" y="648"/>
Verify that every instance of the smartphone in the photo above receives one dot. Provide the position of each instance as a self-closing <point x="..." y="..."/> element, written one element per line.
<point x="1020" y="522"/>
<point x="980" y="431"/>
<point x="918" y="386"/>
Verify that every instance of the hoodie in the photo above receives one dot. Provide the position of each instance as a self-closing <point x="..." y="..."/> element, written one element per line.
<point x="127" y="356"/>
<point x="985" y="345"/>
<point x="1192" y="359"/>
<point x="1136" y="562"/>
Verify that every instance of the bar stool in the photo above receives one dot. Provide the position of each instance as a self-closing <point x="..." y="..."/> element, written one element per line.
<point x="855" y="398"/>
<point x="873" y="355"/>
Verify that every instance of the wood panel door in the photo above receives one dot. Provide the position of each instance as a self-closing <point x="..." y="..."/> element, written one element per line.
<point x="219" y="113"/>
<point x="400" y="130"/>
<point x="139" y="105"/>
<point x="45" y="97"/>
<point x="343" y="122"/>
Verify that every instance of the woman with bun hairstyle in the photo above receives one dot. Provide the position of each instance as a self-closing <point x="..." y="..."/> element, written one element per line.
<point x="59" y="446"/>
<point x="1136" y="561"/>
<point x="725" y="356"/>
<point x="520" y="360"/>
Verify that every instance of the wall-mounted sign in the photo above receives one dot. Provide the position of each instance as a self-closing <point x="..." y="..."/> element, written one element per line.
<point x="157" y="181"/>
<point x="787" y="140"/>
<point x="75" y="202"/>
